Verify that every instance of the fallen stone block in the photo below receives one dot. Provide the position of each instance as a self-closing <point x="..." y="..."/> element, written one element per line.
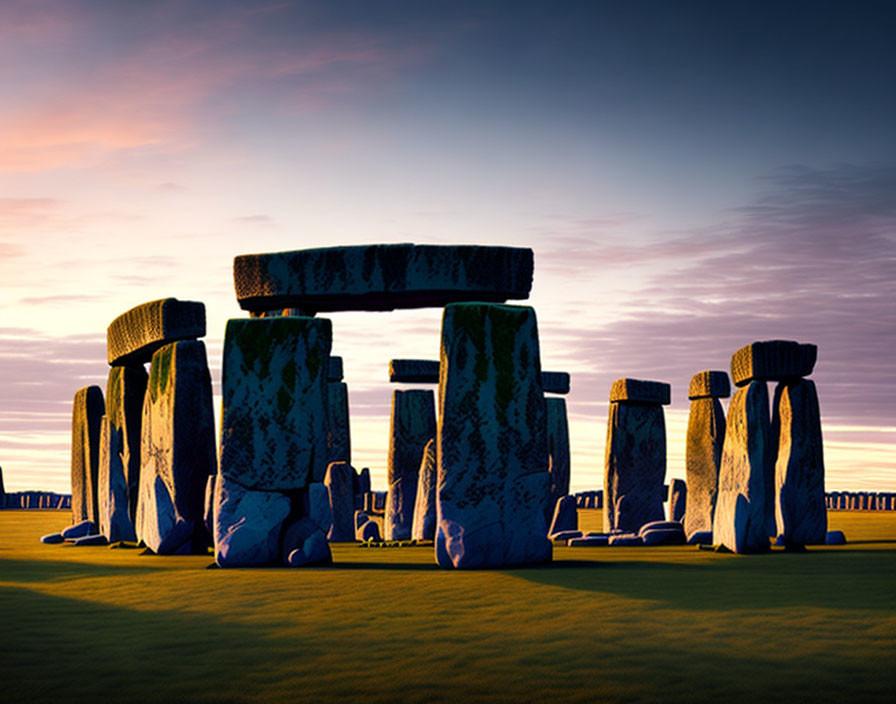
<point x="589" y="541"/>
<point x="133" y="337"/>
<point x="835" y="537"/>
<point x="305" y="545"/>
<point x="664" y="536"/>
<point x="772" y="360"/>
<point x="79" y="530"/>
<point x="565" y="535"/>
<point x="625" y="540"/>
<point x="700" y="537"/>
<point x="52" y="539"/>
<point x="89" y="540"/>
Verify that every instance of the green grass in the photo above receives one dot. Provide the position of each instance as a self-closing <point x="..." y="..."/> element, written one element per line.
<point x="669" y="624"/>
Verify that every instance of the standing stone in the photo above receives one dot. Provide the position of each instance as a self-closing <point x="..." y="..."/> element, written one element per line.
<point x="364" y="481"/>
<point x="799" y="469"/>
<point x="209" y="511"/>
<point x="274" y="387"/>
<point x="566" y="517"/>
<point x="112" y="487"/>
<point x="342" y="501"/>
<point x="248" y="524"/>
<point x="87" y="412"/>
<point x="492" y="448"/>
<point x="635" y="456"/>
<point x="413" y="424"/>
<point x="678" y="496"/>
<point x="739" y="521"/>
<point x="339" y="447"/>
<point x="177" y="450"/>
<point x="703" y="457"/>
<point x="125" y="390"/>
<point x="424" y="527"/>
<point x="558" y="448"/>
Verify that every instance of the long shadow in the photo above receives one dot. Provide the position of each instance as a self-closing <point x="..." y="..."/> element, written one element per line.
<point x="53" y="570"/>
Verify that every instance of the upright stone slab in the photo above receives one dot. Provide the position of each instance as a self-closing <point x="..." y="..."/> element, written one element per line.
<point x="678" y="496"/>
<point x="339" y="447"/>
<point x="424" y="527"/>
<point x="413" y="425"/>
<point x="87" y="412"/>
<point x="364" y="481"/>
<point x="772" y="360"/>
<point x="112" y="487"/>
<point x="334" y="369"/>
<point x="177" y="450"/>
<point x="134" y="336"/>
<point x="558" y="448"/>
<point x="248" y="524"/>
<point x="703" y="457"/>
<point x="566" y="516"/>
<point x="274" y="384"/>
<point x="338" y="481"/>
<point x="492" y="442"/>
<point x="799" y="469"/>
<point x="635" y="455"/>
<point x="125" y="390"/>
<point x="739" y="522"/>
<point x="381" y="277"/>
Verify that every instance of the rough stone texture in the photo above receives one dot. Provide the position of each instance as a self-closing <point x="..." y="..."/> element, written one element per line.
<point x="339" y="446"/>
<point x="112" y="487"/>
<point x="640" y="391"/>
<point x="334" y="369"/>
<point x="555" y="382"/>
<point x="558" y="449"/>
<point x="678" y="496"/>
<point x="79" y="530"/>
<point x="424" y="525"/>
<point x="247" y="524"/>
<point x="274" y="384"/>
<point x="134" y="336"/>
<point x="740" y="521"/>
<point x="381" y="276"/>
<point x="635" y="466"/>
<point x="304" y="544"/>
<point x="709" y="384"/>
<point x="566" y="516"/>
<point x="177" y="450"/>
<point x="208" y="514"/>
<point x="800" y="510"/>
<point x="87" y="412"/>
<point x="413" y="425"/>
<point x="317" y="506"/>
<point x="125" y="390"/>
<point x="703" y="456"/>
<point x="492" y="440"/>
<point x="342" y="501"/>
<point x="772" y="360"/>
<point x="414" y="371"/>
<point x="52" y="539"/>
<point x="835" y="537"/>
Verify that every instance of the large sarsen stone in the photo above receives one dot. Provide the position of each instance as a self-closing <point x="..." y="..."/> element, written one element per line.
<point x="134" y="336"/>
<point x="125" y="390"/>
<point x="87" y="412"/>
<point x="703" y="457"/>
<point x="558" y="449"/>
<point x="248" y="524"/>
<point x="112" y="487"/>
<point x="424" y="527"/>
<point x="772" y="360"/>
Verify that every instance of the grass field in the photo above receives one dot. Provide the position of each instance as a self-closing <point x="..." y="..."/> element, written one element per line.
<point x="665" y="624"/>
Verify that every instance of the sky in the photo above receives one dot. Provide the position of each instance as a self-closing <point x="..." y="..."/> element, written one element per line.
<point x="692" y="176"/>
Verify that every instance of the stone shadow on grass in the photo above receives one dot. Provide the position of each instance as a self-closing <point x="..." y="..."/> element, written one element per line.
<point x="32" y="571"/>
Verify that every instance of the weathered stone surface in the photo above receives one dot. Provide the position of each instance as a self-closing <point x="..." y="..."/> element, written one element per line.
<point x="709" y="384"/>
<point x="640" y="391"/>
<point x="208" y="513"/>
<point x="800" y="510"/>
<point x="79" y="530"/>
<point x="558" y="448"/>
<point x="492" y="440"/>
<point x="339" y="485"/>
<point x="555" y="382"/>
<point x="635" y="465"/>
<point x="678" y="496"/>
<point x="274" y="384"/>
<point x="134" y="336"/>
<point x="317" y="506"/>
<point x="740" y="521"/>
<point x="772" y="360"/>
<point x="334" y="369"/>
<point x="664" y="536"/>
<point x="304" y="545"/>
<point x="339" y="446"/>
<point x="703" y="456"/>
<point x="381" y="276"/>
<point x="52" y="539"/>
<point x="413" y="425"/>
<point x="125" y="390"/>
<point x="835" y="537"/>
<point x="566" y="516"/>
<point x="424" y="527"/>
<point x="414" y="371"/>
<point x="87" y="412"/>
<point x="700" y="537"/>
<point x="177" y="450"/>
<point x="112" y="487"/>
<point x="247" y="524"/>
<point x="625" y="540"/>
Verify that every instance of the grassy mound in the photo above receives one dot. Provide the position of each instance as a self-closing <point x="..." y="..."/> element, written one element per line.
<point x="670" y="624"/>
